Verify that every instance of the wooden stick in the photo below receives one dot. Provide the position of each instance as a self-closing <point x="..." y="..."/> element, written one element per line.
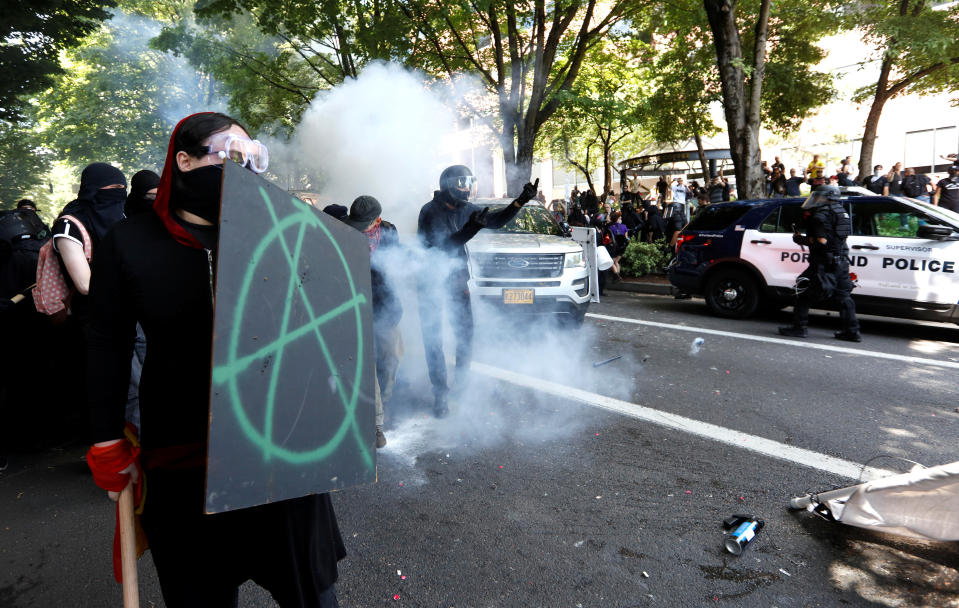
<point x="20" y="296"/>
<point x="128" y="549"/>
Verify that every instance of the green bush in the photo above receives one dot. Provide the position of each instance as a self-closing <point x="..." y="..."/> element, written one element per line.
<point x="644" y="258"/>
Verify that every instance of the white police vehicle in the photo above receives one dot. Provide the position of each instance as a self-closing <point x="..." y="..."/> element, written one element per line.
<point x="903" y="256"/>
<point x="530" y="265"/>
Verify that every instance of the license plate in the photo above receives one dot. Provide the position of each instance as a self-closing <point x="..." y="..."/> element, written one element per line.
<point x="518" y="296"/>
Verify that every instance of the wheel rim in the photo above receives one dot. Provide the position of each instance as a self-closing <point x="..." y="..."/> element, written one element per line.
<point x="730" y="294"/>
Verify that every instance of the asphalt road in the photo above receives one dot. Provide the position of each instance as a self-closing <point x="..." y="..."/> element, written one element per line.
<point x="529" y="495"/>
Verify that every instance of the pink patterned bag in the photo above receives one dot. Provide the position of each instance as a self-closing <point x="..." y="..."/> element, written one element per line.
<point x="53" y="292"/>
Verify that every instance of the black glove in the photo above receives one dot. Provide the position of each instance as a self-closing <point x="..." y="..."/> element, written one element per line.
<point x="529" y="191"/>
<point x="799" y="239"/>
<point x="473" y="225"/>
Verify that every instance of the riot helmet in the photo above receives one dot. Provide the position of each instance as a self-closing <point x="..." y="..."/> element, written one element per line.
<point x="458" y="183"/>
<point x="822" y="195"/>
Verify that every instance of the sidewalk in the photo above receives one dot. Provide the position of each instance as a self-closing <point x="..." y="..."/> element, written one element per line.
<point x="655" y="284"/>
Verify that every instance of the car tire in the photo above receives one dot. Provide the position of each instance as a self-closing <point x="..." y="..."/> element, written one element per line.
<point x="573" y="320"/>
<point x="732" y="293"/>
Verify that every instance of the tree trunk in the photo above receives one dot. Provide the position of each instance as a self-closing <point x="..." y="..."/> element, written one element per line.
<point x="703" y="163"/>
<point x="519" y="169"/>
<point x="742" y="111"/>
<point x="872" y="120"/>
<point x="608" y="165"/>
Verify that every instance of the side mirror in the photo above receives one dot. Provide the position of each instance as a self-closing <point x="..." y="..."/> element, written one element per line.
<point x="934" y="232"/>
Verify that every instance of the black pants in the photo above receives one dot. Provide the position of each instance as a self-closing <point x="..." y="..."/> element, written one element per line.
<point x="431" y="306"/>
<point x="290" y="548"/>
<point x="840" y="296"/>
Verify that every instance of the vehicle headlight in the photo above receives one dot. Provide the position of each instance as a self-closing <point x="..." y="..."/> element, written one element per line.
<point x="575" y="260"/>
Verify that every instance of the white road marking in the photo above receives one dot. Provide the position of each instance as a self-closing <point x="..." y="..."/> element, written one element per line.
<point x="795" y="342"/>
<point x="761" y="445"/>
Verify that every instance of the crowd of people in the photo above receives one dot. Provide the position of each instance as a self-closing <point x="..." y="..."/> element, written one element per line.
<point x="128" y="278"/>
<point x="897" y="181"/>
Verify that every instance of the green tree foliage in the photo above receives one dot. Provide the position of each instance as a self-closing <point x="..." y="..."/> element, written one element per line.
<point x="599" y="117"/>
<point x="775" y="87"/>
<point x="528" y="56"/>
<point x="32" y="34"/>
<point x="23" y="165"/>
<point x="918" y="49"/>
<point x="119" y="99"/>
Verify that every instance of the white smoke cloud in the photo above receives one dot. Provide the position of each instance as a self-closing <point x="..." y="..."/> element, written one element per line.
<point x="384" y="134"/>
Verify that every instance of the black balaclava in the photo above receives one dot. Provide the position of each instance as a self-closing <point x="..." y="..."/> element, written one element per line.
<point x="198" y="191"/>
<point x="99" y="209"/>
<point x="139" y="184"/>
<point x="454" y="195"/>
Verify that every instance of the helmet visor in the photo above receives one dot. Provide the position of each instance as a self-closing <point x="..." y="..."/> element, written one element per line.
<point x="816" y="199"/>
<point x="466" y="183"/>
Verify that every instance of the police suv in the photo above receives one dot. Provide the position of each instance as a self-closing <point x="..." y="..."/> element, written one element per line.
<point x="903" y="256"/>
<point x="531" y="265"/>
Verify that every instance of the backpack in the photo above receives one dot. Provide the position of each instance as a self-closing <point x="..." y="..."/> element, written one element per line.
<point x="53" y="292"/>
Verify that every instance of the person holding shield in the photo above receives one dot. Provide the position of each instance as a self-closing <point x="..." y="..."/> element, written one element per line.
<point x="158" y="269"/>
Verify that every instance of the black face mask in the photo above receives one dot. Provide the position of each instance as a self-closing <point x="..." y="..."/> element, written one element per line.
<point x="110" y="197"/>
<point x="198" y="192"/>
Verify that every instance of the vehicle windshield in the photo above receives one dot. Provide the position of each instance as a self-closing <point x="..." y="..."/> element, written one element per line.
<point x="531" y="219"/>
<point x="948" y="213"/>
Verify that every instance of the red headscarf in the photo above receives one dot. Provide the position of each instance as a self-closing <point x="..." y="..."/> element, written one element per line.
<point x="162" y="204"/>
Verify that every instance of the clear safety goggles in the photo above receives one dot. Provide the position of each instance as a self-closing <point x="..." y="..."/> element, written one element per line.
<point x="248" y="153"/>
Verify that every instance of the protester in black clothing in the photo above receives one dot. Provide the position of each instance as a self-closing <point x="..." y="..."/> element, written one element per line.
<point x="894" y="178"/>
<point x="156" y="269"/>
<point x="777" y="183"/>
<point x="99" y="205"/>
<point x="143" y="192"/>
<point x="716" y="190"/>
<point x="915" y="185"/>
<point x="877" y="183"/>
<point x="662" y="189"/>
<point x="26" y="335"/>
<point x="576" y="216"/>
<point x="387" y="310"/>
<point x="655" y="225"/>
<point x="947" y="191"/>
<point x="444" y="226"/>
<point x="675" y="217"/>
<point x="589" y="202"/>
<point x="826" y="224"/>
<point x="632" y="220"/>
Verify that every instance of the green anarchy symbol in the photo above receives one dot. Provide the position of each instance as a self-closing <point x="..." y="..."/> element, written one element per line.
<point x="229" y="372"/>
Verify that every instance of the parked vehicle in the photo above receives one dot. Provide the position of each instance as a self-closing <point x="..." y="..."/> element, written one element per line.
<point x="530" y="266"/>
<point x="903" y="256"/>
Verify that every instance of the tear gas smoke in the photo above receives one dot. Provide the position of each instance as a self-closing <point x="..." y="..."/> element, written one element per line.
<point x="384" y="134"/>
<point x="387" y="135"/>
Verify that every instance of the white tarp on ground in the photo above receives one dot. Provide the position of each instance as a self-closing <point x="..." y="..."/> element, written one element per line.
<point x="923" y="503"/>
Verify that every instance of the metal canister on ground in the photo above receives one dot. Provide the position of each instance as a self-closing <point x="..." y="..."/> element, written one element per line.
<point x="741" y="530"/>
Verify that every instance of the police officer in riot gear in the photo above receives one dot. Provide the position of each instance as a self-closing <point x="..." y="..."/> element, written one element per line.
<point x="826" y="225"/>
<point x="445" y="224"/>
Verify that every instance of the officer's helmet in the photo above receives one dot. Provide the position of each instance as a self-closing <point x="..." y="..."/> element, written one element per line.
<point x="822" y="195"/>
<point x="458" y="182"/>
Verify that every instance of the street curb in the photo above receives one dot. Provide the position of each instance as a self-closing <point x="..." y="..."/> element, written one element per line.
<point x="641" y="287"/>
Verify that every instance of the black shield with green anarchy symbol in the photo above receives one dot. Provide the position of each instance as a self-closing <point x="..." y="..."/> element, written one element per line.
<point x="292" y="389"/>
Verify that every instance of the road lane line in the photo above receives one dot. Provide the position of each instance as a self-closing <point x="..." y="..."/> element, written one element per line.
<point x="754" y="443"/>
<point x="783" y="341"/>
